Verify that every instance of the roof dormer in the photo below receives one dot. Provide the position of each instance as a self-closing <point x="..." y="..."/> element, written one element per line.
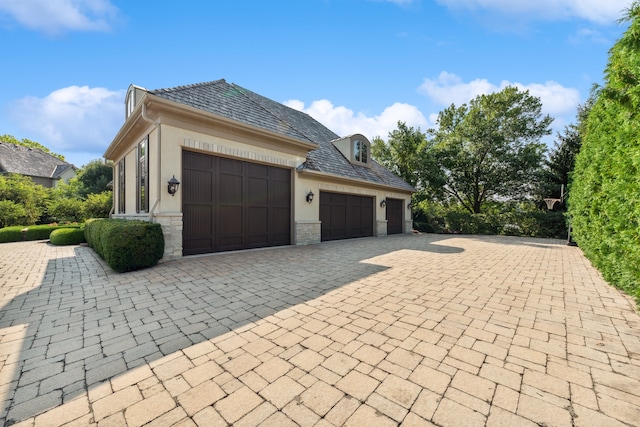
<point x="134" y="95"/>
<point x="356" y="148"/>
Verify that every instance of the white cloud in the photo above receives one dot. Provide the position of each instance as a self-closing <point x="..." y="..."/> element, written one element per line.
<point x="449" y="88"/>
<point x="344" y="121"/>
<point x="599" y="11"/>
<point x="55" y="16"/>
<point x="73" y="119"/>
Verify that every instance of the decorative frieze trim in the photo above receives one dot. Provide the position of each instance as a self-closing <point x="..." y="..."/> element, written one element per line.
<point x="235" y="152"/>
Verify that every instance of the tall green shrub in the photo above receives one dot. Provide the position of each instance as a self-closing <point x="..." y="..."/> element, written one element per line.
<point x="604" y="201"/>
<point x="126" y="245"/>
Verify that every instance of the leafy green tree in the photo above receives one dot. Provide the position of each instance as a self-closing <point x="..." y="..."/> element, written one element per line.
<point x="93" y="178"/>
<point x="604" y="202"/>
<point x="10" y="139"/>
<point x="23" y="191"/>
<point x="407" y="154"/>
<point x="490" y="148"/>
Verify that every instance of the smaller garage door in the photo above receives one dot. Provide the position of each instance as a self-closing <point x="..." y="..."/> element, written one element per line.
<point x="394" y="216"/>
<point x="345" y="216"/>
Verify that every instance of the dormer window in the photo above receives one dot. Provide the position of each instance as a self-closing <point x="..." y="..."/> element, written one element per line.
<point x="360" y="151"/>
<point x="355" y="148"/>
<point x="134" y="95"/>
<point x="131" y="102"/>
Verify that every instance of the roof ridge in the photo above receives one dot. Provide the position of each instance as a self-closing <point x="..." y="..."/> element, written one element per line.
<point x="189" y="86"/>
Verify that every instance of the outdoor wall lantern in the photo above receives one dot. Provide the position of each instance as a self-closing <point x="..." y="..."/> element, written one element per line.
<point x="383" y="203"/>
<point x="173" y="185"/>
<point x="310" y="196"/>
<point x="410" y="205"/>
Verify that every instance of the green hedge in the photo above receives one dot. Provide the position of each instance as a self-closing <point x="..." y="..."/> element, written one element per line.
<point x="511" y="223"/>
<point x="604" y="199"/>
<point x="67" y="236"/>
<point x="34" y="232"/>
<point x="125" y="245"/>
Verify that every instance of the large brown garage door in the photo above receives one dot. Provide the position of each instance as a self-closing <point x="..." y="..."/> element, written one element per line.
<point x="345" y="216"/>
<point x="394" y="216"/>
<point x="230" y="204"/>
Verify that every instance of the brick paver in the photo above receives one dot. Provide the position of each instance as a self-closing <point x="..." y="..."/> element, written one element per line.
<point x="416" y="330"/>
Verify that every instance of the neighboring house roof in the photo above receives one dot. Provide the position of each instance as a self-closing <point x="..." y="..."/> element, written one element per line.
<point x="31" y="162"/>
<point x="237" y="103"/>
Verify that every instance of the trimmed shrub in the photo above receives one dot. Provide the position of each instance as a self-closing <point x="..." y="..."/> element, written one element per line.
<point x="34" y="232"/>
<point x="126" y="245"/>
<point x="67" y="236"/>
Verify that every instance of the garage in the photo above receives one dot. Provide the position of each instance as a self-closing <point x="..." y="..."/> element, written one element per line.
<point x="394" y="216"/>
<point x="345" y="216"/>
<point x="231" y="204"/>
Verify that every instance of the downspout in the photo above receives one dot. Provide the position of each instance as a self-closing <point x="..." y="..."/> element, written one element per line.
<point x="157" y="124"/>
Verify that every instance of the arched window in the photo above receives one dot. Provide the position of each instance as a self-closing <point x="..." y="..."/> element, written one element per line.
<point x="361" y="151"/>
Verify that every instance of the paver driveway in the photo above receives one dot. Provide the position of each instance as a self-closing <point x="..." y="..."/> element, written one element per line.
<point x="412" y="330"/>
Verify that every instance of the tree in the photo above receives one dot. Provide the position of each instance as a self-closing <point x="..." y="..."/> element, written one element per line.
<point x="604" y="202"/>
<point x="93" y="178"/>
<point x="10" y="139"/>
<point x="21" y="190"/>
<point x="490" y="148"/>
<point x="407" y="154"/>
<point x="562" y="158"/>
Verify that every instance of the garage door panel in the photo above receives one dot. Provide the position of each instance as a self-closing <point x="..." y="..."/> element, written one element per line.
<point x="258" y="191"/>
<point x="281" y="225"/>
<point x="256" y="170"/>
<point x="198" y="189"/>
<point x="281" y="193"/>
<point x="227" y="165"/>
<point x="198" y="232"/>
<point x="230" y="189"/>
<point x="247" y="205"/>
<point x="201" y="224"/>
<point x="258" y="222"/>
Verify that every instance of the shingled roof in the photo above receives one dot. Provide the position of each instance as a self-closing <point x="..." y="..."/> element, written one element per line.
<point x="30" y="162"/>
<point x="237" y="103"/>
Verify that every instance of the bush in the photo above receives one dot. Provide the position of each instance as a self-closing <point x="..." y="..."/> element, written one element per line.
<point x="11" y="213"/>
<point x="34" y="232"/>
<point x="65" y="209"/>
<point x="505" y="218"/>
<point x="22" y="191"/>
<point x="126" y="245"/>
<point x="67" y="236"/>
<point x="98" y="205"/>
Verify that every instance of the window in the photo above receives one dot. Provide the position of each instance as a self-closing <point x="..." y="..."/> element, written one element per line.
<point x="121" y="187"/>
<point x="131" y="103"/>
<point x="361" y="151"/>
<point x="142" y="204"/>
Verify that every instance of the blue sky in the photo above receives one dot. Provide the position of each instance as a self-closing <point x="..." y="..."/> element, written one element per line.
<point x="355" y="65"/>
